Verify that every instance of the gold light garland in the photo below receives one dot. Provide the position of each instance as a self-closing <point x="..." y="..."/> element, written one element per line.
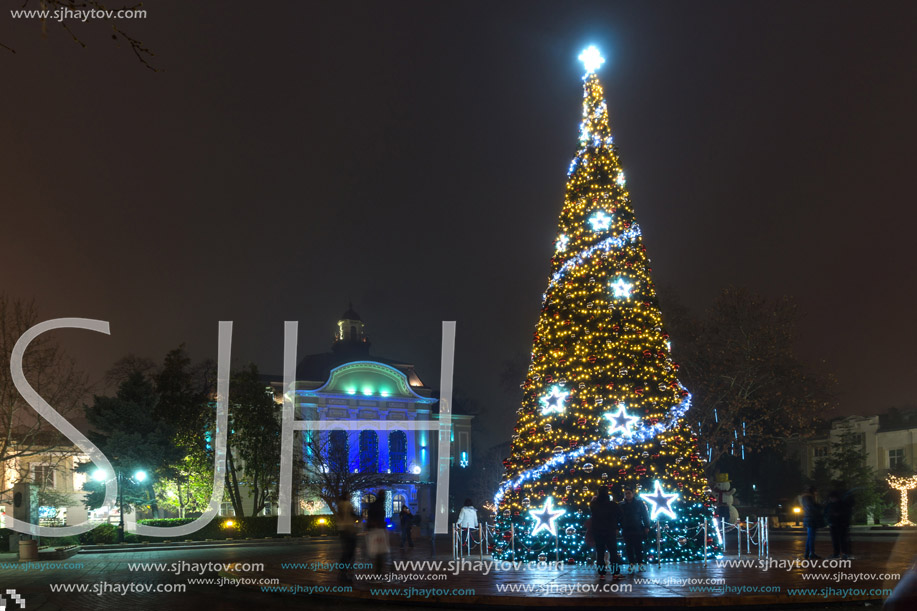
<point x="903" y="485"/>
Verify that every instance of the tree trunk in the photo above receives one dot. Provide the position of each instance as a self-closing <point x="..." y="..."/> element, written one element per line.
<point x="232" y="485"/>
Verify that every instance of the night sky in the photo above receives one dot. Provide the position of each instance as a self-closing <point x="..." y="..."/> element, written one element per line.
<point x="411" y="157"/>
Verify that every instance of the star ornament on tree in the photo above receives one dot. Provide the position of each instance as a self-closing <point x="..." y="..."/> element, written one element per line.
<point x="592" y="59"/>
<point x="562" y="242"/>
<point x="553" y="402"/>
<point x="622" y="289"/>
<point x="600" y="221"/>
<point x="620" y="421"/>
<point x="546" y="517"/>
<point x="660" y="501"/>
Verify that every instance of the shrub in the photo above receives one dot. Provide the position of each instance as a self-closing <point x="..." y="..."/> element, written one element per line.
<point x="100" y="535"/>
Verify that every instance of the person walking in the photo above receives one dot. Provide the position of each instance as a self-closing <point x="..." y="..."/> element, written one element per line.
<point x="838" y="514"/>
<point x="812" y="520"/>
<point x="346" y="522"/>
<point x="376" y="534"/>
<point x="406" y="519"/>
<point x="635" y="525"/>
<point x="467" y="520"/>
<point x="606" y="521"/>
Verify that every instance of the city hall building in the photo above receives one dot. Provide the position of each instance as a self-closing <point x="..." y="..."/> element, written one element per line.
<point x="350" y="384"/>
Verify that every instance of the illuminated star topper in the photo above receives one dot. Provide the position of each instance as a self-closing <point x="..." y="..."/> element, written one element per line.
<point x="660" y="501"/>
<point x="592" y="59"/>
<point x="620" y="421"/>
<point x="600" y="221"/>
<point x="553" y="402"/>
<point x="546" y="518"/>
<point x="621" y="288"/>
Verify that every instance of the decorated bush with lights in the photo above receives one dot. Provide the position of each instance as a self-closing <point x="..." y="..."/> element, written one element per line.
<point x="602" y="404"/>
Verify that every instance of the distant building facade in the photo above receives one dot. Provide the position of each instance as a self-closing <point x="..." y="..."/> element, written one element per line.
<point x="51" y="468"/>
<point x="889" y="439"/>
<point x="349" y="384"/>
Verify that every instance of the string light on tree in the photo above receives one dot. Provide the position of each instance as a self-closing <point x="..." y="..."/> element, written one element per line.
<point x="903" y="485"/>
<point x="546" y="517"/>
<point x="601" y="400"/>
<point x="660" y="501"/>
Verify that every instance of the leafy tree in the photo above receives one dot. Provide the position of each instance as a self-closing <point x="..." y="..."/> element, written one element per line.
<point x="849" y="472"/>
<point x="253" y="452"/>
<point x="749" y="386"/>
<point x="126" y="430"/>
<point x="185" y="393"/>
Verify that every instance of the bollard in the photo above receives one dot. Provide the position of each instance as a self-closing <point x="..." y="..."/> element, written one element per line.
<point x="512" y="539"/>
<point x="705" y="540"/>
<point x="658" y="544"/>
<point x="28" y="549"/>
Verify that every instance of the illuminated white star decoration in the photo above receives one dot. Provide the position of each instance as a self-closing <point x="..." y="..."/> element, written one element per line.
<point x="621" y="288"/>
<point x="546" y="517"/>
<point x="620" y="421"/>
<point x="562" y="242"/>
<point x="553" y="402"/>
<point x="620" y="179"/>
<point x="660" y="501"/>
<point x="592" y="59"/>
<point x="600" y="221"/>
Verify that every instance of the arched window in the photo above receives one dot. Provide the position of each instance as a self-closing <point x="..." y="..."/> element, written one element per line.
<point x="369" y="452"/>
<point x="353" y="333"/>
<point x="397" y="451"/>
<point x="338" y="451"/>
<point x="398" y="501"/>
<point x="365" y="501"/>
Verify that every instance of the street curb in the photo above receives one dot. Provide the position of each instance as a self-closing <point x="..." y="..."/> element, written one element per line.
<point x="159" y="547"/>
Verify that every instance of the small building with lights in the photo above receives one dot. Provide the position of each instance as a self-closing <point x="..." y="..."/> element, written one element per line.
<point x="349" y="384"/>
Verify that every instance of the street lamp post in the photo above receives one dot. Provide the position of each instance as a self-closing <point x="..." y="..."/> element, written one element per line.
<point x="139" y="476"/>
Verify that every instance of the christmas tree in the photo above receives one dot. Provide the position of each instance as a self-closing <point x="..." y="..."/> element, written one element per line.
<point x="602" y="404"/>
